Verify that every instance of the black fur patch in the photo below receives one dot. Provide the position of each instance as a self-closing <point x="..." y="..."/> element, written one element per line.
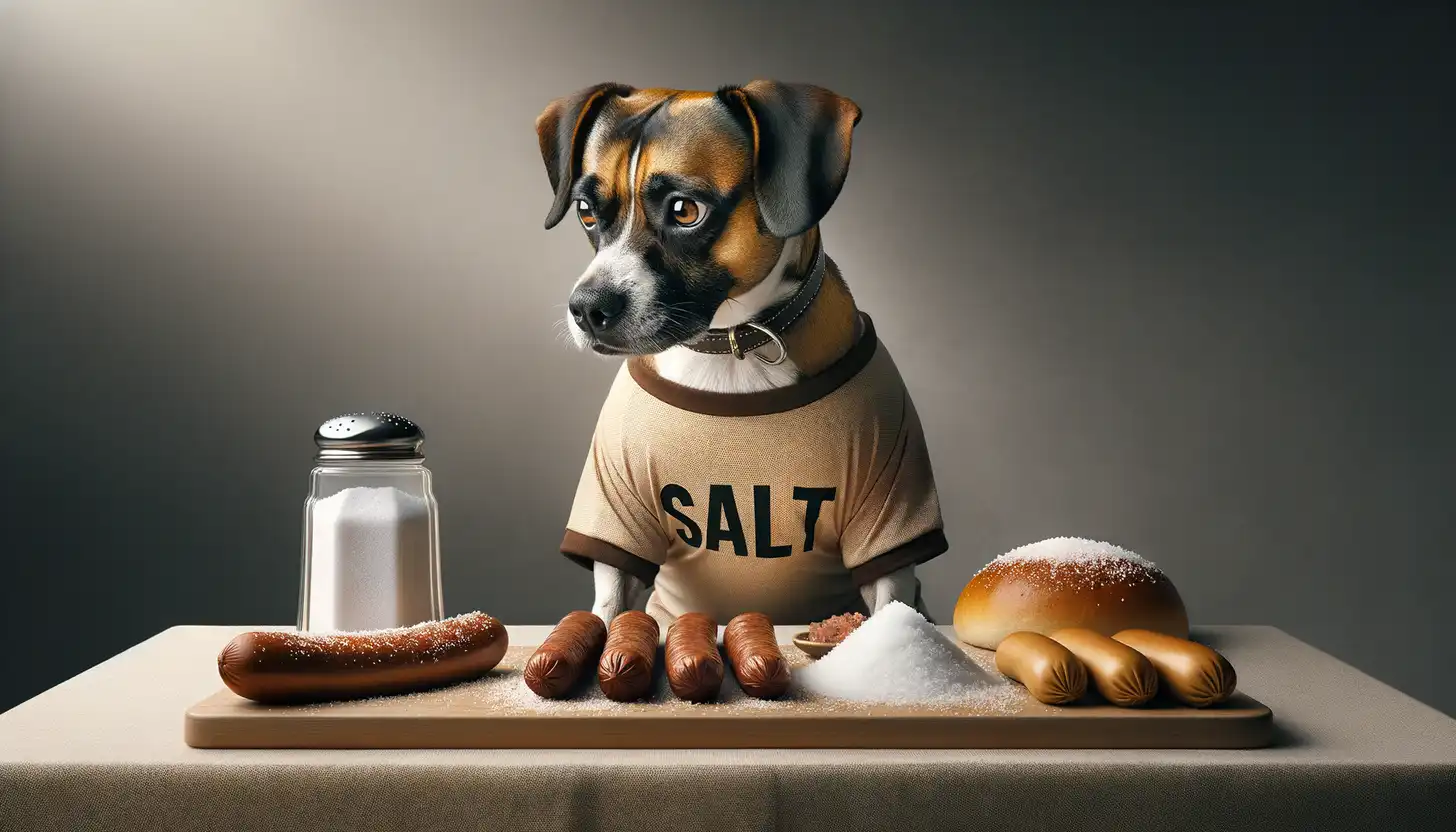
<point x="632" y="127"/>
<point x="793" y="121"/>
<point x="689" y="289"/>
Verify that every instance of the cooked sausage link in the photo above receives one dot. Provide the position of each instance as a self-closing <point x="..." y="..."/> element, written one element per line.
<point x="562" y="659"/>
<point x="290" y="667"/>
<point x="694" y="666"/>
<point x="625" y="669"/>
<point x="753" y="651"/>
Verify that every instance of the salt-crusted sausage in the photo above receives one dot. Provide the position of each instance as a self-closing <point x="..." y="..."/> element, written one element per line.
<point x="1048" y="670"/>
<point x="1121" y="674"/>
<point x="291" y="667"/>
<point x="1193" y="673"/>
<point x="559" y="663"/>
<point x="625" y="669"/>
<point x="694" y="666"/>
<point x="753" y="651"/>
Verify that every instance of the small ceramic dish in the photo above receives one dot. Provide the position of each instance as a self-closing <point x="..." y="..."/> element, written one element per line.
<point x="814" y="649"/>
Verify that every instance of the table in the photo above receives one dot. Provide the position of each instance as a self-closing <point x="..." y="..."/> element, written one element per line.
<point x="104" y="750"/>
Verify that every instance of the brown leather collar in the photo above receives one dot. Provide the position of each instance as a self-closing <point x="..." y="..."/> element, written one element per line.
<point x="762" y="402"/>
<point x="738" y="341"/>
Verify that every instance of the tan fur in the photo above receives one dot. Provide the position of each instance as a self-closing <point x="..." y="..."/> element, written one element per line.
<point x="720" y="160"/>
<point x="827" y="330"/>
<point x="601" y="157"/>
<point x="749" y="255"/>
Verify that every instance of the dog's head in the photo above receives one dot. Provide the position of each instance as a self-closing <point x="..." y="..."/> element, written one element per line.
<point x="687" y="198"/>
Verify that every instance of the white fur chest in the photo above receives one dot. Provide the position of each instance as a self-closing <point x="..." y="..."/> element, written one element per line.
<point x="724" y="373"/>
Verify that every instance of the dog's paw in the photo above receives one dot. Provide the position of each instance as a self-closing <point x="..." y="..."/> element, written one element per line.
<point x="616" y="592"/>
<point x="900" y="586"/>
<point x="606" y="611"/>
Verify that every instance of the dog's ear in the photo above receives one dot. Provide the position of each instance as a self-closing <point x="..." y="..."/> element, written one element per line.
<point x="562" y="129"/>
<point x="801" y="138"/>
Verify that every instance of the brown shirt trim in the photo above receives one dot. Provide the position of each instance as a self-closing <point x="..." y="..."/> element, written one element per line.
<point x="586" y="550"/>
<point x="762" y="403"/>
<point x="921" y="549"/>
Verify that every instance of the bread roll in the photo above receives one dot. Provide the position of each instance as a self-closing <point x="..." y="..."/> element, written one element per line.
<point x="1067" y="582"/>
<point x="1048" y="670"/>
<point x="1121" y="674"/>
<point x="1196" y="675"/>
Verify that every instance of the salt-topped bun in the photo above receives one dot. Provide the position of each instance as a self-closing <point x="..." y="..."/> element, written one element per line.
<point x="1067" y="582"/>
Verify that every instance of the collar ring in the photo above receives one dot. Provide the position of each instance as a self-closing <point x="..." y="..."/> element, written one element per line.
<point x="772" y="336"/>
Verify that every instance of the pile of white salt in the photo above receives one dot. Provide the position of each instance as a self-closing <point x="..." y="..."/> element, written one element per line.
<point x="898" y="657"/>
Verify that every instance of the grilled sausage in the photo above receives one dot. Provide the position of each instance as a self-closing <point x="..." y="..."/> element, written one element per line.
<point x="1048" y="670"/>
<point x="1194" y="674"/>
<point x="753" y="650"/>
<point x="1121" y="674"/>
<point x="625" y="669"/>
<point x="292" y="667"/>
<point x="694" y="666"/>
<point x="562" y="659"/>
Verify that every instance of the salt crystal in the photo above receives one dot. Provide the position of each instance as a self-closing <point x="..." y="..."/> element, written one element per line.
<point x="1072" y="550"/>
<point x="503" y="693"/>
<point x="898" y="657"/>
<point x="1075" y="562"/>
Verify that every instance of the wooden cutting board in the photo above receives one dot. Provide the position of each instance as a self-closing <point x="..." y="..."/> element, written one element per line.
<point x="500" y="712"/>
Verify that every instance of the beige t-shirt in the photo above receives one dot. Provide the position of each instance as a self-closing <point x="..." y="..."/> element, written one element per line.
<point x="782" y="502"/>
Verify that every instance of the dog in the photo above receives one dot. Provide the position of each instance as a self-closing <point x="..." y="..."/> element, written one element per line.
<point x="755" y="399"/>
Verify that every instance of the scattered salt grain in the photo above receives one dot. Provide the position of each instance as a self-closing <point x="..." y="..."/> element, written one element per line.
<point x="898" y="657"/>
<point x="1074" y="562"/>
<point x="502" y="693"/>
<point x="428" y="641"/>
<point x="1072" y="550"/>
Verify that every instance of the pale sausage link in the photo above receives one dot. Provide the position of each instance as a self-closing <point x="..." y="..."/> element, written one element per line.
<point x="1193" y="673"/>
<point x="1121" y="674"/>
<point x="1049" y="671"/>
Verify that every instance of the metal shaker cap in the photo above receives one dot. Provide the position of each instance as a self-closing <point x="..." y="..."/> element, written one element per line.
<point x="369" y="436"/>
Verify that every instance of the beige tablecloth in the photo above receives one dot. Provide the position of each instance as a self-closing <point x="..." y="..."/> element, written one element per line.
<point x="104" y="751"/>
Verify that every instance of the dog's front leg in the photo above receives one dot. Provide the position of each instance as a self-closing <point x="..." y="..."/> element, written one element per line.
<point x="616" y="591"/>
<point x="900" y="586"/>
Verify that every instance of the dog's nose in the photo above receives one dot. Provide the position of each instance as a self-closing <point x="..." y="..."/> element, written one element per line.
<point x="597" y="310"/>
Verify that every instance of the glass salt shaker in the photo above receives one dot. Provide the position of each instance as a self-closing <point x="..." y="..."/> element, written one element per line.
<point x="371" y="540"/>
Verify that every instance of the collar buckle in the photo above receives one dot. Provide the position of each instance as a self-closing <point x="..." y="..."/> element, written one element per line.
<point x="772" y="336"/>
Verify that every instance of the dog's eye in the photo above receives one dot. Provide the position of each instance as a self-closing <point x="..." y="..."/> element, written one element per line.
<point x="584" y="213"/>
<point x="686" y="212"/>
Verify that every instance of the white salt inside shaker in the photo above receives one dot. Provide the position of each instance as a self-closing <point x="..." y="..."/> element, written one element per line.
<point x="379" y="572"/>
<point x="371" y="557"/>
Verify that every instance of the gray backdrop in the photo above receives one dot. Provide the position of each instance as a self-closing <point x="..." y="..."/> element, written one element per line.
<point x="1178" y="279"/>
